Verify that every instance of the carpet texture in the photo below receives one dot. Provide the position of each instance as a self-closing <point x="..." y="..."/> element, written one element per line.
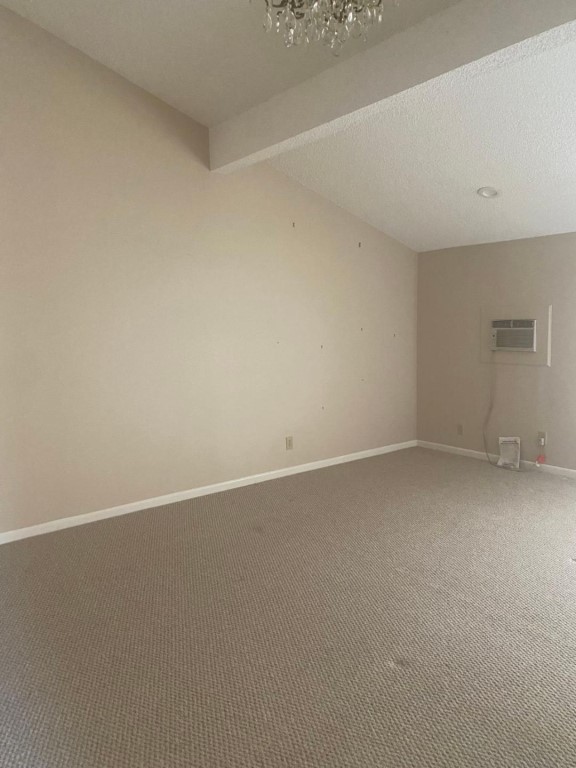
<point x="415" y="609"/>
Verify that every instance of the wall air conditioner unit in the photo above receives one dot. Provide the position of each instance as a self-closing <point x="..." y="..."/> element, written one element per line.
<point x="514" y="335"/>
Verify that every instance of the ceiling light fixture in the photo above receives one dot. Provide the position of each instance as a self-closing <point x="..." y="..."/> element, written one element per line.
<point x="487" y="192"/>
<point x="331" y="22"/>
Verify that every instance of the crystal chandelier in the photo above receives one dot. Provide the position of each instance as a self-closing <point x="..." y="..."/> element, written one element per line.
<point x="332" y="22"/>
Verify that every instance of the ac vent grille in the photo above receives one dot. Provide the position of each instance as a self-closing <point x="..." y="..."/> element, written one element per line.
<point x="513" y="323"/>
<point x="514" y="335"/>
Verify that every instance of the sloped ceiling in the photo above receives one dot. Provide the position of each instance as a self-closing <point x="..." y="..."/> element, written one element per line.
<point x="410" y="164"/>
<point x="413" y="170"/>
<point x="208" y="58"/>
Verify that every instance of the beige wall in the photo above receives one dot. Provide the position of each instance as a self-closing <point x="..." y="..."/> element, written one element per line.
<point x="454" y="385"/>
<point x="163" y="327"/>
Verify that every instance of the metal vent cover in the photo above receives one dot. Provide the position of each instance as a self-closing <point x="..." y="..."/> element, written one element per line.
<point x="514" y="335"/>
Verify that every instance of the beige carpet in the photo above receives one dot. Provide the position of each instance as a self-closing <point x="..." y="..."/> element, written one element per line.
<point x="415" y="609"/>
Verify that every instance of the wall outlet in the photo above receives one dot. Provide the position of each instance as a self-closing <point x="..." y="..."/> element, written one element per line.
<point x="542" y="439"/>
<point x="289" y="443"/>
<point x="459" y="429"/>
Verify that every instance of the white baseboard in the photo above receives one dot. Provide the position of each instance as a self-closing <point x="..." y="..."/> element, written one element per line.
<point x="172" y="498"/>
<point x="549" y="469"/>
<point x="456" y="450"/>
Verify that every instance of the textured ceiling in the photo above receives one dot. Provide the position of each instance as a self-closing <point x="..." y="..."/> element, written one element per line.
<point x="413" y="169"/>
<point x="208" y="58"/>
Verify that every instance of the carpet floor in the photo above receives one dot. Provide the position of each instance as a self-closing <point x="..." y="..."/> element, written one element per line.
<point x="410" y="610"/>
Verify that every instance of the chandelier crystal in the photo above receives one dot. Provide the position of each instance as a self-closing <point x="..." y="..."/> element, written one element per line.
<point x="331" y="22"/>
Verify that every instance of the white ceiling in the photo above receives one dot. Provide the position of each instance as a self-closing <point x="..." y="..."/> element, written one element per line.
<point x="413" y="170"/>
<point x="210" y="59"/>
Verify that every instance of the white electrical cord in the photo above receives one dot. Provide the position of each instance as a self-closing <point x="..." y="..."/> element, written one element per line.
<point x="490" y="408"/>
<point x="489" y="415"/>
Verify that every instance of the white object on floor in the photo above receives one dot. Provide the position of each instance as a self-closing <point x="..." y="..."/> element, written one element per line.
<point x="509" y="453"/>
<point x="548" y="469"/>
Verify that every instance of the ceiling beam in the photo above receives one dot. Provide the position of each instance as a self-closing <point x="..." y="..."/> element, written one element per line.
<point x="484" y="33"/>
